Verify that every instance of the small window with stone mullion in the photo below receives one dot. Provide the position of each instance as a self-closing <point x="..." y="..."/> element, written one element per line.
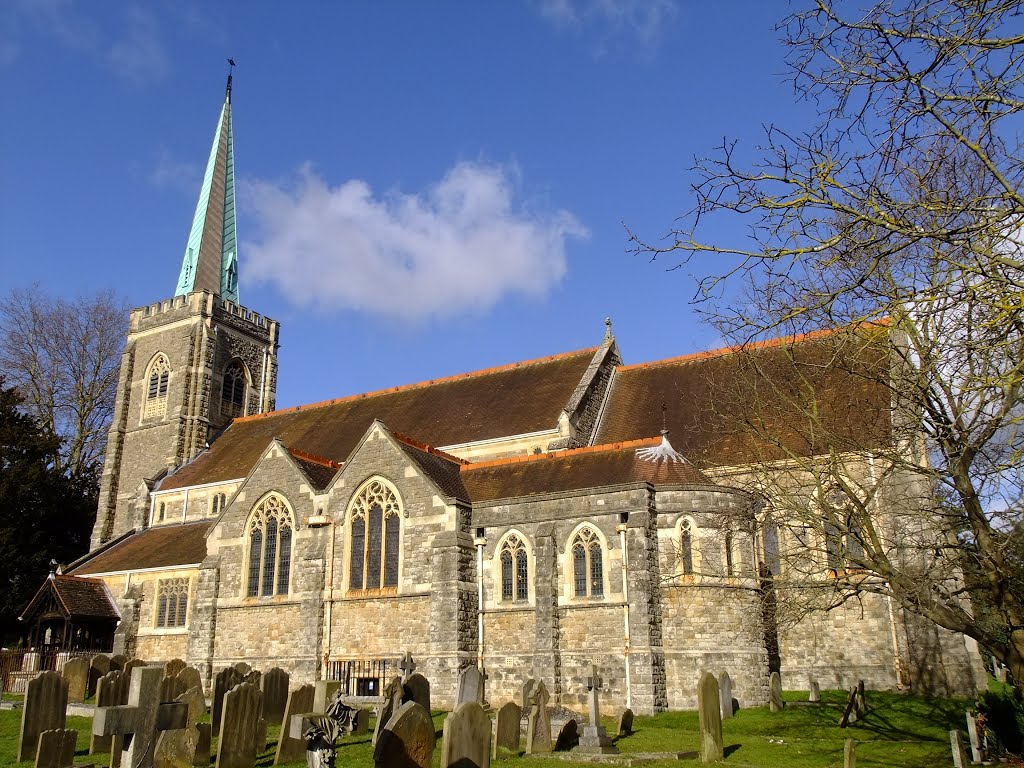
<point x="515" y="569"/>
<point x="270" y="549"/>
<point x="375" y="538"/>
<point x="171" y="603"/>
<point x="156" y="388"/>
<point x="588" y="571"/>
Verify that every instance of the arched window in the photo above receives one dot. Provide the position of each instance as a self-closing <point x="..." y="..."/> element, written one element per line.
<point x="172" y="602"/>
<point x="374" y="537"/>
<point x="217" y="503"/>
<point x="587" y="567"/>
<point x="234" y="390"/>
<point x="156" y="390"/>
<point x="515" y="569"/>
<point x="730" y="554"/>
<point x="686" y="545"/>
<point x="844" y="538"/>
<point x="270" y="548"/>
<point x="770" y="548"/>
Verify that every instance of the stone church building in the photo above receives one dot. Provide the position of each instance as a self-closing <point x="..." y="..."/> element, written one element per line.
<point x="533" y="518"/>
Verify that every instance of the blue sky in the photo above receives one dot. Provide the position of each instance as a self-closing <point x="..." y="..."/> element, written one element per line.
<point x="424" y="188"/>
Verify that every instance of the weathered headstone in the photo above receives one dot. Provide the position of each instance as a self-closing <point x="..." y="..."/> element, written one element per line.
<point x="417" y="688"/>
<point x="361" y="722"/>
<point x="975" y="737"/>
<point x="117" y="661"/>
<point x="190" y="678"/>
<point x="528" y="686"/>
<point x="239" y="727"/>
<point x="223" y="682"/>
<point x="132" y="664"/>
<point x="471" y="686"/>
<point x="178" y="748"/>
<point x="538" y="726"/>
<point x="815" y="695"/>
<point x="171" y="688"/>
<point x="594" y="739"/>
<point x="173" y="667"/>
<point x="140" y="721"/>
<point x="725" y="695"/>
<point x="861" y="701"/>
<point x="466" y="738"/>
<point x="956" y="745"/>
<point x="46" y="703"/>
<point x="242" y="668"/>
<point x="111" y="690"/>
<point x="76" y="673"/>
<point x="850" y="710"/>
<point x="626" y="722"/>
<point x="850" y="754"/>
<point x="274" y="685"/>
<point x="407" y="740"/>
<point x="507" y="728"/>
<point x="99" y="665"/>
<point x="56" y="748"/>
<point x="323" y="693"/>
<point x="288" y="747"/>
<point x="393" y="695"/>
<point x="252" y="677"/>
<point x="709" y="710"/>
<point x="775" y="702"/>
<point x="568" y="736"/>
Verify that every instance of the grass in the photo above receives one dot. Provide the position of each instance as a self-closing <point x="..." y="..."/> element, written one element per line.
<point x="899" y="731"/>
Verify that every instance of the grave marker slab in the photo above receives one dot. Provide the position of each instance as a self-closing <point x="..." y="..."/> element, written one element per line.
<point x="775" y="702"/>
<point x="975" y="737"/>
<point x="323" y="693"/>
<point x="46" y="703"/>
<point x="507" y="728"/>
<point x="417" y="688"/>
<point x="393" y="696"/>
<point x="76" y="673"/>
<point x="173" y="667"/>
<point x="239" y="727"/>
<point x="626" y="722"/>
<point x="111" y="690"/>
<point x="56" y="748"/>
<point x="524" y="702"/>
<point x="179" y="748"/>
<point x="861" y="701"/>
<point x="709" y="710"/>
<point x="850" y="754"/>
<point x="242" y="668"/>
<point x="407" y="740"/>
<point x="725" y="695"/>
<point x="223" y="682"/>
<point x="815" y="694"/>
<point x="538" y="728"/>
<point x="466" y="738"/>
<point x="568" y="736"/>
<point x="99" y="665"/>
<point x="471" y="686"/>
<point x="850" y="710"/>
<point x="361" y="722"/>
<point x="274" y="685"/>
<point x="594" y="739"/>
<point x="190" y="678"/>
<point x="288" y="747"/>
<point x="956" y="745"/>
<point x="117" y="661"/>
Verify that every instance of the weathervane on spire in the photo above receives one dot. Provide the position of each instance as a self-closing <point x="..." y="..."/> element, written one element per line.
<point x="231" y="69"/>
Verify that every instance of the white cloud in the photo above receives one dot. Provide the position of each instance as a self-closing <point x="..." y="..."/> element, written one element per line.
<point x="460" y="246"/>
<point x="139" y="55"/>
<point x="639" y="19"/>
<point x="176" y="174"/>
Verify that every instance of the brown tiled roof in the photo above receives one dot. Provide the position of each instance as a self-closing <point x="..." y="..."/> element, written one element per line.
<point x="83" y="598"/>
<point x="442" y="468"/>
<point x="162" y="546"/>
<point x="318" y="470"/>
<point x="740" y="405"/>
<point x="595" y="467"/>
<point x="493" y="403"/>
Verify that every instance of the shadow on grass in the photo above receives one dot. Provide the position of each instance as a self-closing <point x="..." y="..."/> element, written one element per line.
<point x="730" y="749"/>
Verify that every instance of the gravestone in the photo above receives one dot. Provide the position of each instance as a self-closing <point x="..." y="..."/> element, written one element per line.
<point x="180" y="748"/>
<point x="507" y="728"/>
<point x="252" y="678"/>
<point x="140" y="721"/>
<point x="190" y="678"/>
<point x="725" y="695"/>
<point x="524" y="702"/>
<point x="223" y="682"/>
<point x="417" y="688"/>
<point x="975" y="737"/>
<point x="471" y="686"/>
<point x="99" y="665"/>
<point x="240" y="727"/>
<point x="117" y="661"/>
<point x="132" y="664"/>
<point x="709" y="710"/>
<point x="466" y="738"/>
<point x="861" y="701"/>
<point x="111" y="690"/>
<point x="360" y="722"/>
<point x="274" y="685"/>
<point x="956" y="745"/>
<point x="538" y="725"/>
<point x="568" y="736"/>
<point x="407" y="666"/>
<point x="76" y="673"/>
<point x="850" y="710"/>
<point x="171" y="688"/>
<point x="323" y="694"/>
<point x="46" y="703"/>
<point x="393" y="699"/>
<point x="173" y="667"/>
<point x="626" y="722"/>
<point x="242" y="668"/>
<point x="594" y="739"/>
<point x="775" y="702"/>
<point x="407" y="740"/>
<point x="850" y="754"/>
<point x="815" y="695"/>
<point x="56" y="748"/>
<point x="288" y="747"/>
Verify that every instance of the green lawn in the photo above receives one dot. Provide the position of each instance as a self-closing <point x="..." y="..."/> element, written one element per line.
<point x="898" y="732"/>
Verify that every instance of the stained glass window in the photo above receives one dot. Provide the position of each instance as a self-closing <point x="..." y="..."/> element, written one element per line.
<point x="515" y="569"/>
<point x="270" y="548"/>
<point x="376" y="534"/>
<point x="588" y="568"/>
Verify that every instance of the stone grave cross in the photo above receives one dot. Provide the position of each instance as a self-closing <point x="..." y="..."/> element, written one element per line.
<point x="140" y="721"/>
<point x="408" y="666"/>
<point x="594" y="683"/>
<point x="595" y="740"/>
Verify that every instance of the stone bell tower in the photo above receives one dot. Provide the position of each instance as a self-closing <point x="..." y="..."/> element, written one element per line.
<point x="192" y="362"/>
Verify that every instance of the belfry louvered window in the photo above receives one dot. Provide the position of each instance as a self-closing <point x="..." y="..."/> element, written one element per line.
<point x="233" y="391"/>
<point x="156" y="388"/>
<point x="375" y="533"/>
<point x="587" y="566"/>
<point x="270" y="548"/>
<point x="515" y="569"/>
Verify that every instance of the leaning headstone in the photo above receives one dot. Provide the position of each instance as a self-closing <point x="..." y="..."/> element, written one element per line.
<point x="417" y="688"/>
<point x="775" y="702"/>
<point x="173" y="667"/>
<point x="471" y="686"/>
<point x="466" y="739"/>
<point x="850" y="754"/>
<point x="274" y="685"/>
<point x="46" y="702"/>
<point x="132" y="664"/>
<point x="239" y="727"/>
<point x="242" y="668"/>
<point x="956" y="745"/>
<point x="393" y="695"/>
<point x="252" y="678"/>
<point x="178" y="748"/>
<point x="223" y="682"/>
<point x="76" y="673"/>
<point x="594" y="739"/>
<point x="111" y="690"/>
<point x="538" y="726"/>
<point x="626" y="722"/>
<point x="290" y="748"/>
<point x="975" y="737"/>
<point x="725" y="695"/>
<point x="56" y="749"/>
<point x="815" y="695"/>
<point x="507" y="728"/>
<point x="407" y="740"/>
<point x="568" y="737"/>
<point x="171" y="688"/>
<point x="117" y="661"/>
<point x="850" y="710"/>
<point x="190" y="678"/>
<point x="709" y="710"/>
<point x="861" y="701"/>
<point x="99" y="665"/>
<point x="524" y="701"/>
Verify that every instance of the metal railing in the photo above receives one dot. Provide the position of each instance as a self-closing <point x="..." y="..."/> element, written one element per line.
<point x="361" y="677"/>
<point x="18" y="666"/>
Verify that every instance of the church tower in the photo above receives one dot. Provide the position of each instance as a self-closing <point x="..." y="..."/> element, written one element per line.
<point x="192" y="362"/>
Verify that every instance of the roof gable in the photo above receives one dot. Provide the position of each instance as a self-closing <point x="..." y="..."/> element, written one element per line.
<point x="73" y="597"/>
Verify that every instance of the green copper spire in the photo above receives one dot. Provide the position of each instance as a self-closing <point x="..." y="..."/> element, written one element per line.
<point x="211" y="256"/>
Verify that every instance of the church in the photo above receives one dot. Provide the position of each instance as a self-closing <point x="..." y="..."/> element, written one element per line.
<point x="532" y="519"/>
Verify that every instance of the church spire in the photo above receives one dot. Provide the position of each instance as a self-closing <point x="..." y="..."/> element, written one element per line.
<point x="211" y="255"/>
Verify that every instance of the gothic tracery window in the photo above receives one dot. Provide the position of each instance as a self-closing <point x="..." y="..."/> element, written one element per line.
<point x="270" y="548"/>
<point x="587" y="566"/>
<point x="172" y="602"/>
<point x="515" y="569"/>
<point x="234" y="390"/>
<point x="156" y="388"/>
<point x="375" y="537"/>
<point x="844" y="539"/>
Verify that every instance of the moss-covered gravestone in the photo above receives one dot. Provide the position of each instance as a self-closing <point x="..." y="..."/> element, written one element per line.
<point x="709" y="709"/>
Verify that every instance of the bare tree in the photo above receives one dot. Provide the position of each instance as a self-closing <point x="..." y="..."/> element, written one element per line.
<point x="63" y="358"/>
<point x="902" y="206"/>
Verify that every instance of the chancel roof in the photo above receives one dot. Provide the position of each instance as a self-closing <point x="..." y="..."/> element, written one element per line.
<point x="494" y="403"/>
<point x="76" y="598"/>
<point x="163" y="546"/>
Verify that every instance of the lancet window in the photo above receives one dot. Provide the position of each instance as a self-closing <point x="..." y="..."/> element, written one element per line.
<point x="687" y="544"/>
<point x="172" y="602"/>
<point x="269" y="534"/>
<point x="843" y="536"/>
<point x="375" y="537"/>
<point x="587" y="566"/>
<point x="156" y="390"/>
<point x="515" y="569"/>
<point x="234" y="390"/>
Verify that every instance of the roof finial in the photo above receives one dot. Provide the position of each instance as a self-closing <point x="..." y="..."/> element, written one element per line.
<point x="231" y="69"/>
<point x="607" y="328"/>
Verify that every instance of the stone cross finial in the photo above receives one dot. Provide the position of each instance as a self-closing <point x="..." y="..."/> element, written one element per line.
<point x="407" y="665"/>
<point x="140" y="721"/>
<point x="594" y="681"/>
<point x="593" y="685"/>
